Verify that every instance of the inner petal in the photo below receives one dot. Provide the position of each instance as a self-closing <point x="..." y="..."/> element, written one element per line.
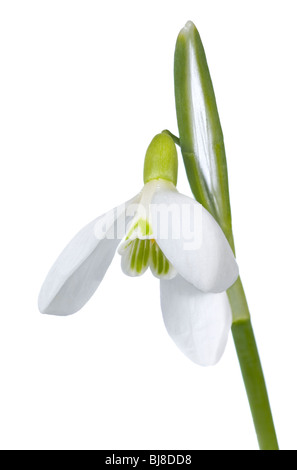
<point x="135" y="257"/>
<point x="159" y="264"/>
<point x="138" y="255"/>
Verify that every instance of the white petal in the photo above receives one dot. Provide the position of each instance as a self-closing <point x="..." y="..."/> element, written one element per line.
<point x="198" y="323"/>
<point x="192" y="241"/>
<point x="82" y="265"/>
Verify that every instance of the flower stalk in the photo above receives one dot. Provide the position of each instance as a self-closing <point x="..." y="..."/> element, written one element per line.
<point x="254" y="382"/>
<point x="202" y="147"/>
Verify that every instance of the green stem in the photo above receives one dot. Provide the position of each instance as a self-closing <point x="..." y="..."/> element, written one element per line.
<point x="251" y="368"/>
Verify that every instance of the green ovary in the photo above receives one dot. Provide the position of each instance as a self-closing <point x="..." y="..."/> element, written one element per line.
<point x="161" y="160"/>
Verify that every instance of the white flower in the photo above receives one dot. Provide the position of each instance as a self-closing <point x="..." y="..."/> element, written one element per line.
<point x="173" y="235"/>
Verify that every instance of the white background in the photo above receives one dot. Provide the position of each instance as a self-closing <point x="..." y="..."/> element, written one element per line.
<point x="84" y="86"/>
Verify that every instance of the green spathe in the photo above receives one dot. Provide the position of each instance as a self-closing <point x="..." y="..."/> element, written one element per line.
<point x="161" y="160"/>
<point x="201" y="136"/>
<point x="202" y="146"/>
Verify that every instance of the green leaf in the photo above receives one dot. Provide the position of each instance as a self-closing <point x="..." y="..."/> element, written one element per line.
<point x="201" y="137"/>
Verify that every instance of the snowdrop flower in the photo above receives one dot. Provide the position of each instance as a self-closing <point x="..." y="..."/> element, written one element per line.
<point x="169" y="233"/>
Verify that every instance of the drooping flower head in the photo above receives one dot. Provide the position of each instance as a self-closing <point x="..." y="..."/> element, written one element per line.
<point x="169" y="233"/>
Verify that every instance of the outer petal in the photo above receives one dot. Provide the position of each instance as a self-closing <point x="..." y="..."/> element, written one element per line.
<point x="192" y="241"/>
<point x="82" y="265"/>
<point x="198" y="323"/>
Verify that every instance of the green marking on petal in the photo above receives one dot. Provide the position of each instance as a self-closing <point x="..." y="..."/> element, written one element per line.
<point x="138" y="254"/>
<point x="139" y="257"/>
<point x="161" y="259"/>
<point x="159" y="264"/>
<point x="130" y="232"/>
<point x="154" y="256"/>
<point x="134" y="253"/>
<point x="142" y="227"/>
<point x="167" y="266"/>
<point x="146" y="254"/>
<point x="145" y="227"/>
